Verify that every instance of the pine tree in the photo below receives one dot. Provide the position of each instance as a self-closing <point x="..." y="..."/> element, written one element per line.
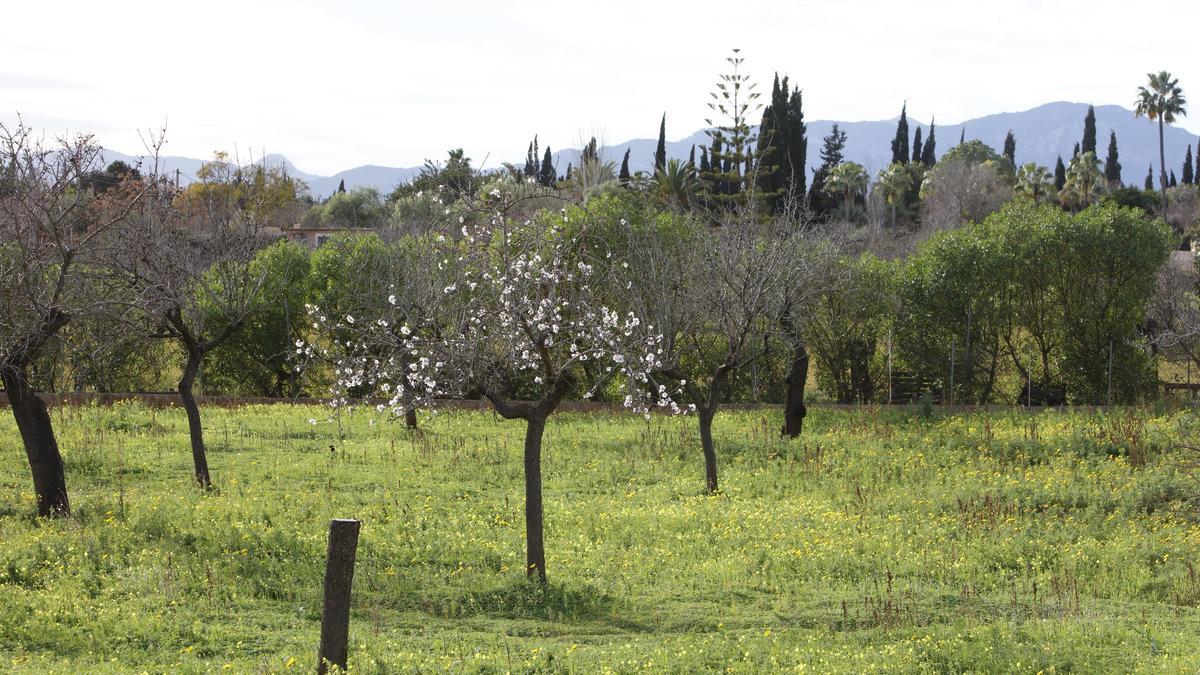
<point x="1089" y="131"/>
<point x="624" y="175"/>
<point x="1150" y="178"/>
<point x="1172" y="182"/>
<point x="916" y="148"/>
<point x="1060" y="174"/>
<point x="928" y="157"/>
<point x="660" y="152"/>
<point x="733" y="101"/>
<point x="831" y="156"/>
<point x="1010" y="148"/>
<point x="1188" y="175"/>
<point x="900" y="142"/>
<point x="547" y="174"/>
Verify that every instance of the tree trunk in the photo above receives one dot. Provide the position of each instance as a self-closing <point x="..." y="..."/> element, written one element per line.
<point x="199" y="457"/>
<point x="410" y="418"/>
<point x="705" y="415"/>
<point x="41" y="448"/>
<point x="1162" y="166"/>
<point x="794" y="409"/>
<point x="535" y="550"/>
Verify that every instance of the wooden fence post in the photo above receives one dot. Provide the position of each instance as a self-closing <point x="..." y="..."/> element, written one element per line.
<point x="335" y="613"/>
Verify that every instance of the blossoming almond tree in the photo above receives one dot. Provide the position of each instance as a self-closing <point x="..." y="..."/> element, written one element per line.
<point x="518" y="312"/>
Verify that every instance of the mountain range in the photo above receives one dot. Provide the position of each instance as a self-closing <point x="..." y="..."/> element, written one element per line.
<point x="1042" y="134"/>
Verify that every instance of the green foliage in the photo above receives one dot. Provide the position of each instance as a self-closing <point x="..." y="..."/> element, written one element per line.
<point x="256" y="361"/>
<point x="1042" y="290"/>
<point x="359" y="208"/>
<point x="845" y="327"/>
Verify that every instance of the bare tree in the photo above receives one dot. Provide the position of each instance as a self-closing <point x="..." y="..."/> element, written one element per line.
<point x="714" y="292"/>
<point x="961" y="191"/>
<point x="190" y="254"/>
<point x="52" y="238"/>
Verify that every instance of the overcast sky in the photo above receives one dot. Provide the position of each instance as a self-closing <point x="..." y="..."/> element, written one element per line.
<point x="334" y="85"/>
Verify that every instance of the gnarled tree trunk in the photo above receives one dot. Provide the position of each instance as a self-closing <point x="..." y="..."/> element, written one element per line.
<point x="705" y="415"/>
<point x="195" y="430"/>
<point x="794" y="409"/>
<point x="41" y="448"/>
<point x="535" y="550"/>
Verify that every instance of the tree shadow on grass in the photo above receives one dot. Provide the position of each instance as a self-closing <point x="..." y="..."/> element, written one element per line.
<point x="521" y="599"/>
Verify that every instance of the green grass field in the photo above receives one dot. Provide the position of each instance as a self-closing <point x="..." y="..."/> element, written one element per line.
<point x="884" y="542"/>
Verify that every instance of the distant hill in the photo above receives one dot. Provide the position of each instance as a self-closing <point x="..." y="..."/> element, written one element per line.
<point x="1043" y="134"/>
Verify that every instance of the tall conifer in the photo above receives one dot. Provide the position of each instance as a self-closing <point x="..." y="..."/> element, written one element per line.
<point x="928" y="157"/>
<point x="1112" y="164"/>
<point x="900" y="142"/>
<point x="1060" y="174"/>
<point x="1089" y="131"/>
<point x="660" y="152"/>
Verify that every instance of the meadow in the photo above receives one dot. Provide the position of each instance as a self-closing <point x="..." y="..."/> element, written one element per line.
<point x="883" y="540"/>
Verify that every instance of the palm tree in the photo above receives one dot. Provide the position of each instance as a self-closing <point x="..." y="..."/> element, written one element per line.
<point x="847" y="180"/>
<point x="1033" y="181"/>
<point x="1162" y="101"/>
<point x="677" y="183"/>
<point x="896" y="182"/>
<point x="1085" y="181"/>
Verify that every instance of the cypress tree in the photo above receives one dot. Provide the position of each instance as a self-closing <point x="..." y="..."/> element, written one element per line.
<point x="795" y="154"/>
<point x="704" y="168"/>
<point x="927" y="153"/>
<point x="1075" y="152"/>
<point x="900" y="142"/>
<point x="660" y="153"/>
<point x="530" y="169"/>
<point x="1112" y="165"/>
<point x="916" y="148"/>
<point x="1060" y="174"/>
<point x="624" y="175"/>
<point x="342" y="185"/>
<point x="568" y="176"/>
<point x="546" y="175"/>
<point x="1150" y="178"/>
<point x="1010" y="148"/>
<point x="771" y="141"/>
<point x="714" y="166"/>
<point x="962" y="136"/>
<point x="692" y="158"/>
<point x="1188" y="176"/>
<point x="1172" y="182"/>
<point x="1089" y="131"/>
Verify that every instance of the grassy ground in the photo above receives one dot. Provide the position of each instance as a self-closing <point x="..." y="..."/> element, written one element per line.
<point x="880" y="542"/>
